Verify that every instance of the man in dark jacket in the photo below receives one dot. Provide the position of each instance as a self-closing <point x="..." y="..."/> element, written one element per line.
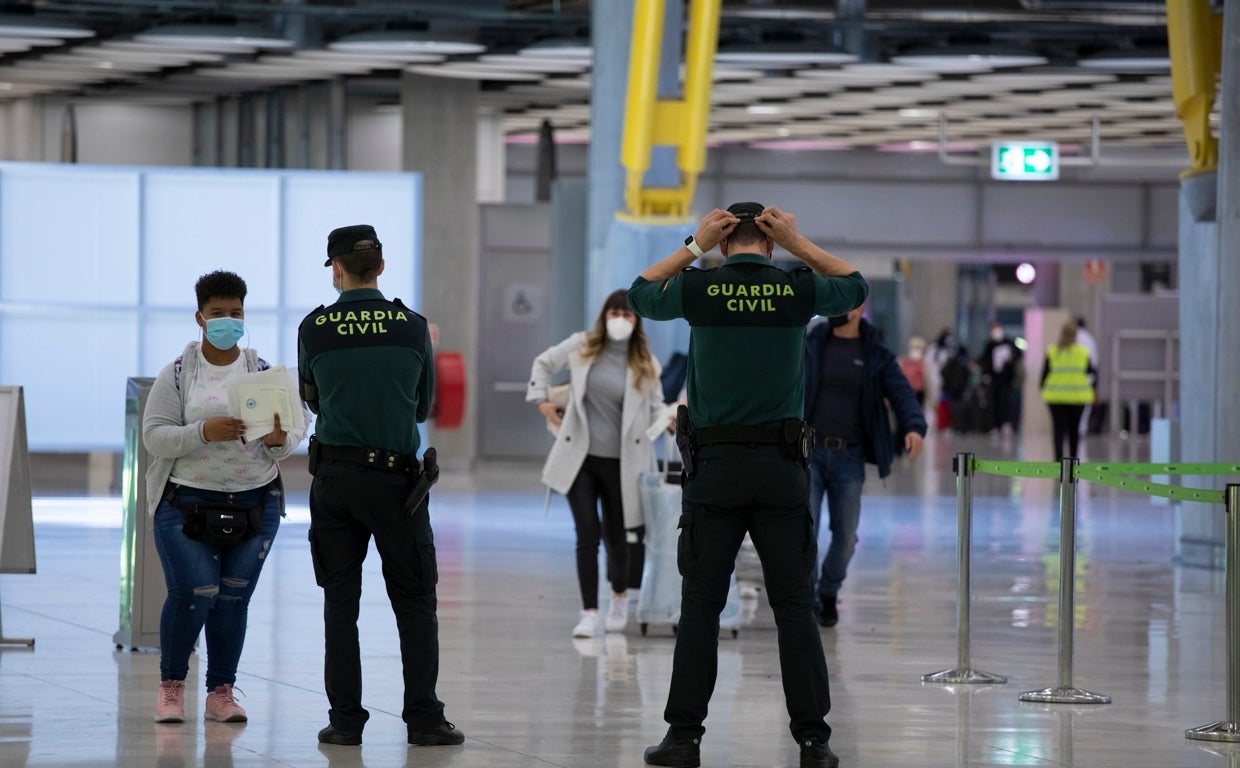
<point x="850" y="377"/>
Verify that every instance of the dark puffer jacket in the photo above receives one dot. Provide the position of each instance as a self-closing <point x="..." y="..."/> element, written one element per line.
<point x="884" y="383"/>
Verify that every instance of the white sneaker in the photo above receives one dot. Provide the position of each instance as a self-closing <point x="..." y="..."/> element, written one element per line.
<point x="588" y="625"/>
<point x="618" y="615"/>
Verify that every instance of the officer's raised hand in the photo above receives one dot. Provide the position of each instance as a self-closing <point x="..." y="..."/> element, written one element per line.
<point x="778" y="225"/>
<point x="715" y="226"/>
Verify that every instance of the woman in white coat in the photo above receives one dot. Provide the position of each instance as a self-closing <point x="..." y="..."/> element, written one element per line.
<point x="601" y="446"/>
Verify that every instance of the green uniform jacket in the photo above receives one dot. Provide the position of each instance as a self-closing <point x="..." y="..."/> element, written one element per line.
<point x="366" y="368"/>
<point x="747" y="336"/>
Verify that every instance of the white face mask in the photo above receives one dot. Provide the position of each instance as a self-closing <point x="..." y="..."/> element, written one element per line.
<point x="619" y="329"/>
<point x="997" y="334"/>
<point x="336" y="285"/>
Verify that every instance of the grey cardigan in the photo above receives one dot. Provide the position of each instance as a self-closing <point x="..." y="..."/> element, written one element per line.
<point x="167" y="437"/>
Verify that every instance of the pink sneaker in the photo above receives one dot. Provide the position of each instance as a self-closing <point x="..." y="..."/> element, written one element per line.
<point x="222" y="707"/>
<point x="170" y="708"/>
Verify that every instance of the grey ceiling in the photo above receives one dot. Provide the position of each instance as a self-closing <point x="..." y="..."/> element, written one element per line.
<point x="871" y="103"/>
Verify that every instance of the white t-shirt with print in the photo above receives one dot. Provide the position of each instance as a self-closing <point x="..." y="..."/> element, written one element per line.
<point x="217" y="466"/>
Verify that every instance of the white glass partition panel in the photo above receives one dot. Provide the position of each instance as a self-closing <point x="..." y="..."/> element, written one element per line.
<point x="98" y="265"/>
<point x="195" y="222"/>
<point x="164" y="336"/>
<point x="73" y="366"/>
<point x="68" y="238"/>
<point x="317" y="203"/>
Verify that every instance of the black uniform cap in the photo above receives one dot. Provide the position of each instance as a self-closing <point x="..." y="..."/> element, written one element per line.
<point x="345" y="240"/>
<point x="746" y="211"/>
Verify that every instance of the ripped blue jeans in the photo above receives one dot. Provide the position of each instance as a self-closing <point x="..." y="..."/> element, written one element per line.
<point x="210" y="586"/>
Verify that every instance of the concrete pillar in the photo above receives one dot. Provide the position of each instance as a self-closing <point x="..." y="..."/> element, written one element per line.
<point x="1209" y="263"/>
<point x="440" y="129"/>
<point x="1228" y="283"/>
<point x="492" y="163"/>
<point x="1202" y="527"/>
<point x="931" y="288"/>
<point x="612" y="26"/>
<point x="1046" y="284"/>
<point x="21" y="130"/>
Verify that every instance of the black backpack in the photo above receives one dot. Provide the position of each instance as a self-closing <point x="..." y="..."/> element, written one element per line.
<point x="955" y="377"/>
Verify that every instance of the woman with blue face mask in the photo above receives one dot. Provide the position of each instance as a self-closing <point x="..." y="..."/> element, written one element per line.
<point x="216" y="497"/>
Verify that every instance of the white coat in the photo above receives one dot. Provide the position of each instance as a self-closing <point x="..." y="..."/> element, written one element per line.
<point x="640" y="410"/>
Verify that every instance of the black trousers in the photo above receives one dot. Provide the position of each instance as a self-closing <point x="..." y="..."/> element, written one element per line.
<point x="741" y="489"/>
<point x="348" y="505"/>
<point x="1066" y="428"/>
<point x="597" y="487"/>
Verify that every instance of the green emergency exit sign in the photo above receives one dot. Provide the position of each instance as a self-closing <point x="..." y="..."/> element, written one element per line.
<point x="1024" y="161"/>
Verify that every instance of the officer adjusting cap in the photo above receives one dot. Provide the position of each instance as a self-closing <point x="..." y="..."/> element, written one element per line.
<point x="351" y="239"/>
<point x="746" y="211"/>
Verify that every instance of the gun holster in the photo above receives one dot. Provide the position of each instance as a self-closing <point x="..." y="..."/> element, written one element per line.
<point x="685" y="442"/>
<point x="426" y="478"/>
<point x="797" y="440"/>
<point x="313" y="454"/>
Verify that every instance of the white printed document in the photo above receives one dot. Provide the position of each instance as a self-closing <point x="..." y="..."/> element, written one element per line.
<point x="255" y="398"/>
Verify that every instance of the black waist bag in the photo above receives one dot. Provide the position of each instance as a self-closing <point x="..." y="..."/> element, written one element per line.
<point x="221" y="525"/>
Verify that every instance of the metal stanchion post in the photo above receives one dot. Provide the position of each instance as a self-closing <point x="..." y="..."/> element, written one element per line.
<point x="1229" y="729"/>
<point x="1064" y="693"/>
<point x="962" y="673"/>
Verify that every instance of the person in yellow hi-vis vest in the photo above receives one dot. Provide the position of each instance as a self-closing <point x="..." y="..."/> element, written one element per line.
<point x="1067" y="387"/>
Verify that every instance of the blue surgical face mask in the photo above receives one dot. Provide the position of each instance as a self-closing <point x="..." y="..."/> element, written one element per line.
<point x="224" y="332"/>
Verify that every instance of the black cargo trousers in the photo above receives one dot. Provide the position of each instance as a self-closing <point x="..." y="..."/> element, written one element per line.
<point x="348" y="504"/>
<point x="741" y="488"/>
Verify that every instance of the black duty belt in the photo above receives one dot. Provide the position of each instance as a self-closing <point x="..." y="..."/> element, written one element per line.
<point x="389" y="461"/>
<point x="719" y="435"/>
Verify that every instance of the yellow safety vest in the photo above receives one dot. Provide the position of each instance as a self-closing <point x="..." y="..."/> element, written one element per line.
<point x="1067" y="383"/>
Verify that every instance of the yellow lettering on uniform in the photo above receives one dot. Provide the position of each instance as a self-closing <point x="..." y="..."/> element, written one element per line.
<point x="365" y="314"/>
<point x="712" y="290"/>
<point x="334" y="317"/>
<point x="350" y="317"/>
<point x="727" y="289"/>
<point x="320" y="320"/>
<point x="751" y="304"/>
<point x="731" y="305"/>
<point x="401" y="316"/>
<point x="768" y="305"/>
<point x="363" y="327"/>
<point x="768" y="290"/>
<point x="379" y="328"/>
<point x="788" y="291"/>
<point x="343" y="329"/>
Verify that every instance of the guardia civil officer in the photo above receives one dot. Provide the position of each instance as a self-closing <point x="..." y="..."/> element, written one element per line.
<point x="745" y="449"/>
<point x="365" y="367"/>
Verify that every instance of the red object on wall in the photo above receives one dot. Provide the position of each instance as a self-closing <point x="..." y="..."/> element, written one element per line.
<point x="449" y="405"/>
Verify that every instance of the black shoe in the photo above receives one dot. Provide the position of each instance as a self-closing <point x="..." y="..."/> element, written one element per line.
<point x="828" y="616"/>
<point x="816" y="754"/>
<point x="443" y="735"/>
<point x="677" y="753"/>
<point x="333" y="735"/>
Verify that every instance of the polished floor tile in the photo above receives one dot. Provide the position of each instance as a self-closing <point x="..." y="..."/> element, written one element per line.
<point x="1148" y="632"/>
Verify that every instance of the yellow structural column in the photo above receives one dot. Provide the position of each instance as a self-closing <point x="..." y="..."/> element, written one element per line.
<point x="682" y="123"/>
<point x="1194" y="36"/>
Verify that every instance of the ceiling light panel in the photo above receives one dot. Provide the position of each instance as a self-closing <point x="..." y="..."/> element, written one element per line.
<point x="527" y="64"/>
<point x="472" y="71"/>
<point x="401" y="42"/>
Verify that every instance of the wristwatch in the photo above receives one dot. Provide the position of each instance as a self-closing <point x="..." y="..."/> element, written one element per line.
<point x="693" y="247"/>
